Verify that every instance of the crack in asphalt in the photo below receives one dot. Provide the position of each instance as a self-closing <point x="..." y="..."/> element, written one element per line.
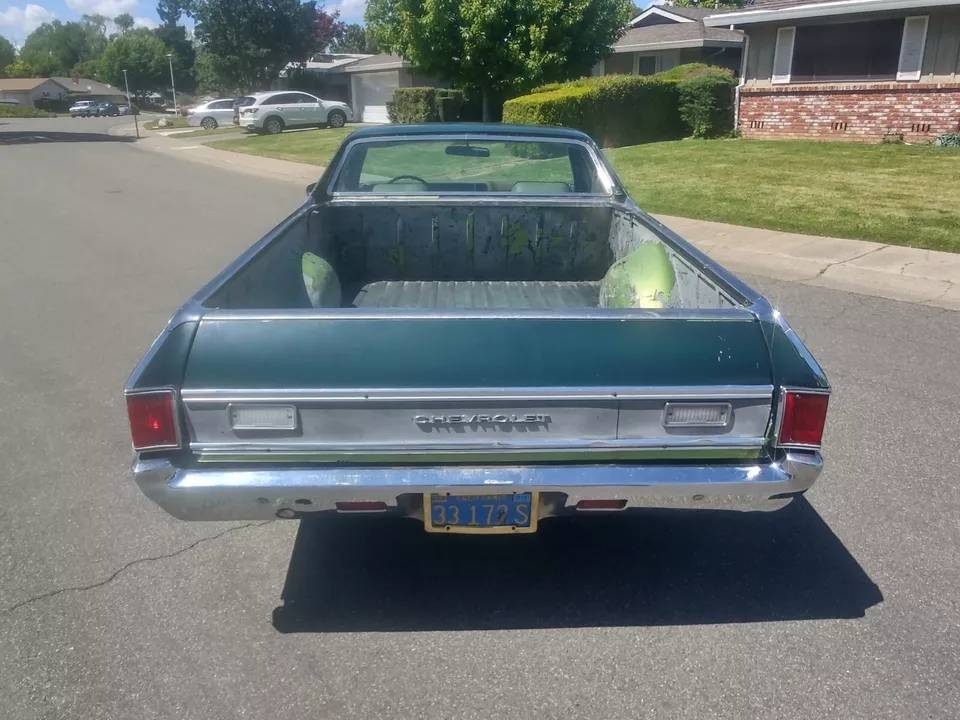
<point x="844" y="262"/>
<point x="138" y="561"/>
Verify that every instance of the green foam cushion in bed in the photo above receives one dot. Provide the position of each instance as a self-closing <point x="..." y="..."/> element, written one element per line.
<point x="643" y="279"/>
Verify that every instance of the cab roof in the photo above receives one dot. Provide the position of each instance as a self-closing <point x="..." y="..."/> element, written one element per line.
<point x="492" y="129"/>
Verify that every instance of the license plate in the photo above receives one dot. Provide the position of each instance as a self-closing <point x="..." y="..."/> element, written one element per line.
<point x="448" y="513"/>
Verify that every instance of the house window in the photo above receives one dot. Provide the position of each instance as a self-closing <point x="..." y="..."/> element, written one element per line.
<point x="847" y="51"/>
<point x="646" y="65"/>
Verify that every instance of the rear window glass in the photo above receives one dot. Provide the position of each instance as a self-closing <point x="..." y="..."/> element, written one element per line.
<point x="475" y="165"/>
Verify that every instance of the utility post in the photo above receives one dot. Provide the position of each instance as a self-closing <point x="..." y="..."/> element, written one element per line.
<point x="133" y="110"/>
<point x="173" y="86"/>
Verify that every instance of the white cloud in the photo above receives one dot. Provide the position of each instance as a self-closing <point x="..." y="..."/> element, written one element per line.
<point x="107" y="8"/>
<point x="145" y="22"/>
<point x="19" y="22"/>
<point x="350" y="10"/>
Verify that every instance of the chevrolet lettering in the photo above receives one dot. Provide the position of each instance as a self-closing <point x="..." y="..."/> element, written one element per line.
<point x="478" y="419"/>
<point x="474" y="328"/>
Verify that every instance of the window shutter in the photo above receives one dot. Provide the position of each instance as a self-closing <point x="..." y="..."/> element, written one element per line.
<point x="783" y="55"/>
<point x="911" y="47"/>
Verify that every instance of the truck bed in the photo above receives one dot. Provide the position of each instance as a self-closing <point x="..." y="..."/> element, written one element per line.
<point x="478" y="294"/>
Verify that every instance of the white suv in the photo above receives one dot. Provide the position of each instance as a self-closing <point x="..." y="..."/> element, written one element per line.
<point x="273" y="111"/>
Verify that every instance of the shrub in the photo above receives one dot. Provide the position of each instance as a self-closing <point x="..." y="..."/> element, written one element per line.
<point x="424" y="104"/>
<point x="23" y="112"/>
<point x="948" y="140"/>
<point x="706" y="105"/>
<point x="617" y="110"/>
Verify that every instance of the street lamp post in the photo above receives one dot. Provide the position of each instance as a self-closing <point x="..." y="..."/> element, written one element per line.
<point x="133" y="110"/>
<point x="173" y="87"/>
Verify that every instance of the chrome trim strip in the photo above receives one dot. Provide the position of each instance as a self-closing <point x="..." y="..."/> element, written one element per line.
<point x="681" y="392"/>
<point x="781" y="405"/>
<point x="734" y="314"/>
<point x="266" y="448"/>
<point x="253" y="493"/>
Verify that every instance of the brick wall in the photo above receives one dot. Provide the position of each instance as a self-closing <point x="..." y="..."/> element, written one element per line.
<point x="850" y="112"/>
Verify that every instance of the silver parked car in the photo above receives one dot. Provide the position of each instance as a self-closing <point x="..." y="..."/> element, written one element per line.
<point x="273" y="112"/>
<point x="211" y="114"/>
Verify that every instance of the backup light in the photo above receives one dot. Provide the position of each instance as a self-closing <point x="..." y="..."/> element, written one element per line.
<point x="804" y="417"/>
<point x="696" y="414"/>
<point x="153" y="420"/>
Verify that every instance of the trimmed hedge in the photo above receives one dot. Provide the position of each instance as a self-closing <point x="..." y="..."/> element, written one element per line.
<point x="424" y="105"/>
<point x="619" y="110"/>
<point x="24" y="112"/>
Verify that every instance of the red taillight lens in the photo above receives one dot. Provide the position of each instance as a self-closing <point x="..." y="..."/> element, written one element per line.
<point x="804" y="415"/>
<point x="153" y="420"/>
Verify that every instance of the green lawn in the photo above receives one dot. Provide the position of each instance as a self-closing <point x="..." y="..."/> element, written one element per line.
<point x="308" y="146"/>
<point x="900" y="194"/>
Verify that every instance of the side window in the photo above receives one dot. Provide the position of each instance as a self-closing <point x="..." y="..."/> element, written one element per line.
<point x="282" y="99"/>
<point x="221" y="105"/>
<point x="306" y="99"/>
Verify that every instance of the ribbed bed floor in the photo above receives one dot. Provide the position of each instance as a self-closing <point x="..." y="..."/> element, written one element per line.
<point x="529" y="295"/>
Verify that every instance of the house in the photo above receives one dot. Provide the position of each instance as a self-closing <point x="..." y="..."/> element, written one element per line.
<point x="27" y="91"/>
<point x="663" y="36"/>
<point x="848" y="69"/>
<point x="87" y="89"/>
<point x="373" y="80"/>
<point x="325" y="73"/>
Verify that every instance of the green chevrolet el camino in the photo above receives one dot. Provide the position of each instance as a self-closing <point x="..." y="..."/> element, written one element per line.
<point x="474" y="327"/>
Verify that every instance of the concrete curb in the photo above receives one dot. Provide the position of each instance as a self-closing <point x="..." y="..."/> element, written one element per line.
<point x="900" y="273"/>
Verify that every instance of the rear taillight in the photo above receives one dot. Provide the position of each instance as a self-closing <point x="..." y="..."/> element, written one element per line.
<point x="153" y="420"/>
<point x="804" y="415"/>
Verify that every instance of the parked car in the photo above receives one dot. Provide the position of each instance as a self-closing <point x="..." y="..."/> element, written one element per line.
<point x="473" y="326"/>
<point x="123" y="109"/>
<point x="273" y="112"/>
<point x="211" y="114"/>
<point x="83" y="108"/>
<point x="9" y="102"/>
<point x="106" y="109"/>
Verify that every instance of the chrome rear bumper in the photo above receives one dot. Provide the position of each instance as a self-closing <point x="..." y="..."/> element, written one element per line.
<point x="254" y="493"/>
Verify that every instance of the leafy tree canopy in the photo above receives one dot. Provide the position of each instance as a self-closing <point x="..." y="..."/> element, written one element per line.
<point x="355" y="39"/>
<point x="8" y="53"/>
<point x="252" y="40"/>
<point x="710" y="4"/>
<point x="124" y="22"/>
<point x="175" y="38"/>
<point x="56" y="47"/>
<point x="499" y="46"/>
<point x="142" y="55"/>
<point x="18" y="69"/>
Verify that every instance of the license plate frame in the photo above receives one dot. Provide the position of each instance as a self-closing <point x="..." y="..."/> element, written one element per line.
<point x="467" y="529"/>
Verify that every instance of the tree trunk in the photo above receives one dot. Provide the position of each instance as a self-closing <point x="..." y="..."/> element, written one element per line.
<point x="485" y="100"/>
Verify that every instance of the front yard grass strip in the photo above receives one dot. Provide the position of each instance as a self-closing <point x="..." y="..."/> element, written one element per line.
<point x="897" y="194"/>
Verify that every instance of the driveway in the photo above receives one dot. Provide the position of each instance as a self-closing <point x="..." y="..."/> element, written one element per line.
<point x="843" y="605"/>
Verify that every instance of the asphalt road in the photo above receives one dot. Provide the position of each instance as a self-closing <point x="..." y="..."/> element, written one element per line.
<point x="843" y="605"/>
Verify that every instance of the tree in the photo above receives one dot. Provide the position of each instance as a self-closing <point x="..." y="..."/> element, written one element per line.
<point x="56" y="47"/>
<point x="142" y="55"/>
<point x="355" y="39"/>
<point x="18" y="69"/>
<point x="174" y="37"/>
<point x="88" y="69"/>
<point x="250" y="41"/>
<point x="496" y="47"/>
<point x="124" y="22"/>
<point x="710" y="4"/>
<point x="169" y="11"/>
<point x="8" y="53"/>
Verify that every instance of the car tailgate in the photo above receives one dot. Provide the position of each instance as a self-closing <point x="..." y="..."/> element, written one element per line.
<point x="433" y="387"/>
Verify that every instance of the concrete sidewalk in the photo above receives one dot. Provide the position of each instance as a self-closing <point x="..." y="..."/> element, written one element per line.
<point x="900" y="273"/>
<point x="927" y="277"/>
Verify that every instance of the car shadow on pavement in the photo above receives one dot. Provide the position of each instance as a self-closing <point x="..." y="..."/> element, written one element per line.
<point x="28" y="137"/>
<point x="661" y="567"/>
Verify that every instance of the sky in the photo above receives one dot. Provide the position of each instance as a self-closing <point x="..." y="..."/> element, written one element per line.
<point x="19" y="18"/>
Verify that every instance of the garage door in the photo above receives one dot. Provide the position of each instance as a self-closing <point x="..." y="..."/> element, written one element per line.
<point x="372" y="91"/>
